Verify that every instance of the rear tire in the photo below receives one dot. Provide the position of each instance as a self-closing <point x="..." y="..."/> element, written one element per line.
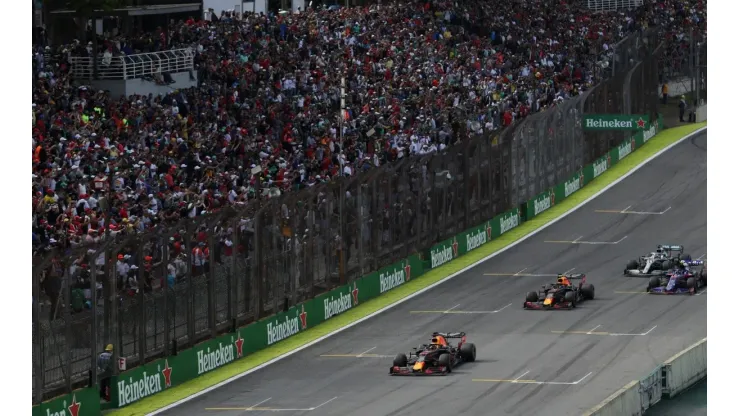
<point x="589" y="292"/>
<point x="401" y="360"/>
<point x="691" y="283"/>
<point x="444" y="361"/>
<point x="703" y="276"/>
<point x="532" y="297"/>
<point x="468" y="352"/>
<point x="667" y="265"/>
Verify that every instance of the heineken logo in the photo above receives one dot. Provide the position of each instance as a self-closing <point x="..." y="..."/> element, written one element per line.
<point x="392" y="279"/>
<point x="624" y="150"/>
<point x="649" y="133"/>
<point x="592" y="123"/>
<point x="210" y="360"/>
<point x="278" y="330"/>
<point x="573" y="185"/>
<point x="133" y="390"/>
<point x="442" y="254"/>
<point x="340" y="304"/>
<point x="614" y="121"/>
<point x="73" y="409"/>
<point x="542" y="204"/>
<point x="476" y="238"/>
<point x="600" y="167"/>
<point x="508" y="222"/>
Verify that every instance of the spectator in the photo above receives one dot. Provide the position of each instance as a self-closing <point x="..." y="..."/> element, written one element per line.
<point x="265" y="118"/>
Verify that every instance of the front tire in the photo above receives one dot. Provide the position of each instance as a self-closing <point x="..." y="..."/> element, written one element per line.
<point x="444" y="361"/>
<point x="401" y="360"/>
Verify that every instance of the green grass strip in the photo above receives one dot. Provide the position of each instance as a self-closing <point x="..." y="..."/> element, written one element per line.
<point x="158" y="401"/>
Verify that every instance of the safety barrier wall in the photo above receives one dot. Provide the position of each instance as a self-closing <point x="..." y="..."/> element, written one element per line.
<point x="685" y="369"/>
<point x="677" y="374"/>
<point x="624" y="402"/>
<point x="180" y="366"/>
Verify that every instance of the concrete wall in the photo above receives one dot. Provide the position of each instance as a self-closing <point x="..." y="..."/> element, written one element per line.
<point x="624" y="402"/>
<point x="686" y="368"/>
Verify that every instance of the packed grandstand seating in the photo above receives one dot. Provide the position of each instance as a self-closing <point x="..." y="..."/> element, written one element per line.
<point x="420" y="77"/>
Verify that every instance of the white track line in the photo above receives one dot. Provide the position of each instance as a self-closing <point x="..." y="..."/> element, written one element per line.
<point x="516" y="380"/>
<point x="432" y="286"/>
<point x="452" y="308"/>
<point x="263" y="401"/>
<point x="325" y="403"/>
<point x="365" y="352"/>
<point x="594" y="329"/>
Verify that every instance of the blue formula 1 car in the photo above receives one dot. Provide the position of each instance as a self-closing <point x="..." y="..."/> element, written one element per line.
<point x="687" y="279"/>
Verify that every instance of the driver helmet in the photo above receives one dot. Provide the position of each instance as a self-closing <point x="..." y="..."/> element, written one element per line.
<point x="659" y="250"/>
<point x="562" y="280"/>
<point x="683" y="265"/>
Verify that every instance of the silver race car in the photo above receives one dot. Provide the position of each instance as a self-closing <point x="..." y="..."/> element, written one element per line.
<point x="657" y="263"/>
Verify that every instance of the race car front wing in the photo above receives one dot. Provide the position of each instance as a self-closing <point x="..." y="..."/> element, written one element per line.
<point x="678" y="291"/>
<point x="408" y="371"/>
<point x="540" y="306"/>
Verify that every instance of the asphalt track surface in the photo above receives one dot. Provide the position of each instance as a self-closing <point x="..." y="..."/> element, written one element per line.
<point x="560" y="368"/>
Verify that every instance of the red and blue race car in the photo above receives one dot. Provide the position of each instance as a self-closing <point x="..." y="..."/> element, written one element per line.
<point x="687" y="279"/>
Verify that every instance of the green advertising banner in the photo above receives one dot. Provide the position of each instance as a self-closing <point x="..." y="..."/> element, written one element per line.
<point x="474" y="237"/>
<point x="600" y="166"/>
<point x="505" y="222"/>
<point x="395" y="275"/>
<point x="83" y="402"/>
<point x="443" y="252"/>
<point x="540" y="203"/>
<point x="145" y="380"/>
<point x="602" y="122"/>
<point x="569" y="187"/>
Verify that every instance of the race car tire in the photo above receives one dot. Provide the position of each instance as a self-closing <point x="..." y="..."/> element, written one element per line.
<point x="667" y="264"/>
<point x="570" y="297"/>
<point x="691" y="283"/>
<point x="686" y="257"/>
<point x="401" y="360"/>
<point x="589" y="292"/>
<point x="682" y="284"/>
<point x="633" y="264"/>
<point x="653" y="282"/>
<point x="703" y="276"/>
<point x="532" y="297"/>
<point x="468" y="352"/>
<point x="444" y="361"/>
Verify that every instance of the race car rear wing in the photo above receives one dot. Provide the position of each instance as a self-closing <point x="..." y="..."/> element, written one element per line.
<point x="449" y="334"/>
<point x="671" y="247"/>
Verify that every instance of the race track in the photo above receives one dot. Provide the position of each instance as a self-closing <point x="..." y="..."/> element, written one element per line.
<point x="564" y="362"/>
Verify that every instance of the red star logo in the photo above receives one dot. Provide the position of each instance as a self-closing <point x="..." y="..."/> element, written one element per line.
<point x="641" y="123"/>
<point x="454" y="247"/>
<point x="407" y="269"/>
<point x="239" y="343"/>
<point x="488" y="230"/>
<point x="167" y="373"/>
<point x="303" y="315"/>
<point x="355" y="292"/>
<point x="74" y="408"/>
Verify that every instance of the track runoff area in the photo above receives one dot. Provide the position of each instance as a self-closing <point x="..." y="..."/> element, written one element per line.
<point x="528" y="362"/>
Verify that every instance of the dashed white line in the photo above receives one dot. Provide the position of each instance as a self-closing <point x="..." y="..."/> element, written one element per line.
<point x="257" y="405"/>
<point x="594" y="329"/>
<point x="365" y="352"/>
<point x="516" y="380"/>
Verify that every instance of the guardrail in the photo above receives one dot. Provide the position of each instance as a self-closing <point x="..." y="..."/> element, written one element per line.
<point x="613" y="5"/>
<point x="674" y="376"/>
<point x="140" y="65"/>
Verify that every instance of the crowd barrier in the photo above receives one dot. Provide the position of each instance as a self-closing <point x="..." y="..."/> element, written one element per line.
<point x="180" y="366"/>
<point x="674" y="376"/>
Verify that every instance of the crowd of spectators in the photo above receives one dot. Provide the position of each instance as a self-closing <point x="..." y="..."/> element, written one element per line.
<point x="420" y="76"/>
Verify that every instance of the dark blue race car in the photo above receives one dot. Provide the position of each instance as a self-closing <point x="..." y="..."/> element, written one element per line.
<point x="685" y="280"/>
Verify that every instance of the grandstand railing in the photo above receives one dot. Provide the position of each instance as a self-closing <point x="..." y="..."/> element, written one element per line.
<point x="141" y="65"/>
<point x="293" y="247"/>
<point x="613" y="5"/>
